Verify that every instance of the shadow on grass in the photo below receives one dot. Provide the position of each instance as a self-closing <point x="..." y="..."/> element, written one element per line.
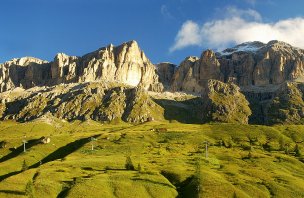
<point x="181" y="111"/>
<point x="3" y="177"/>
<point x="13" y="192"/>
<point x="153" y="182"/>
<point x="64" y="151"/>
<point x="19" y="150"/>
<point x="66" y="189"/>
<point x="58" y="154"/>
<point x="188" y="188"/>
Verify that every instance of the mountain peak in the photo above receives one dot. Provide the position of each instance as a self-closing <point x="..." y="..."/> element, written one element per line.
<point x="250" y="47"/>
<point x="25" y="61"/>
<point x="125" y="64"/>
<point x="277" y="42"/>
<point x="256" y="46"/>
<point x="132" y="42"/>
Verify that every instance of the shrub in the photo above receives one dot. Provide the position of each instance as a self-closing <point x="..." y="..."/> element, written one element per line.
<point x="228" y="143"/>
<point x="24" y="166"/>
<point x="129" y="164"/>
<point x="139" y="167"/>
<point x="29" y="189"/>
<point x="246" y="147"/>
<point x="249" y="156"/>
<point x="297" y="151"/>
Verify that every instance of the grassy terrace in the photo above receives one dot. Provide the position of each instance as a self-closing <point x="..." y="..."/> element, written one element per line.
<point x="243" y="160"/>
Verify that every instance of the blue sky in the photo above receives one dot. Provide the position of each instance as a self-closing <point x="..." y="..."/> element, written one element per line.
<point x="167" y="30"/>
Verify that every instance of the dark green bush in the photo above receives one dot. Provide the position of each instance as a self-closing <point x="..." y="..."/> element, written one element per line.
<point x="129" y="164"/>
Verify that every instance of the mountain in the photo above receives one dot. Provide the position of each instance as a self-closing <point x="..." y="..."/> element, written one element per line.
<point x="262" y="71"/>
<point x="251" y="82"/>
<point x="106" y="122"/>
<point x="247" y="64"/>
<point x="80" y="101"/>
<point x="124" y="64"/>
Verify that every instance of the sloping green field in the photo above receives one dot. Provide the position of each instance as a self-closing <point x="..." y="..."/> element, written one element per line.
<point x="168" y="158"/>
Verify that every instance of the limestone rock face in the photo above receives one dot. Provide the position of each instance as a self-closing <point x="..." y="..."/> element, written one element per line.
<point x="166" y="72"/>
<point x="124" y="64"/>
<point x="208" y="67"/>
<point x="183" y="79"/>
<point x="63" y="68"/>
<point x="224" y="102"/>
<point x="261" y="64"/>
<point x="23" y="72"/>
<point x="194" y="73"/>
<point x="248" y="64"/>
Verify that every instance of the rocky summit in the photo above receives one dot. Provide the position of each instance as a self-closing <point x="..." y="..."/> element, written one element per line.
<point x="252" y="82"/>
<point x="124" y="64"/>
<point x="247" y="64"/>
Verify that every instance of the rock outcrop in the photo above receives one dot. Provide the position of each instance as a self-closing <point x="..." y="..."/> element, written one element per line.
<point x="81" y="101"/>
<point x="23" y="72"/>
<point x="166" y="72"/>
<point x="288" y="106"/>
<point x="193" y="73"/>
<point x="125" y="64"/>
<point x="224" y="102"/>
<point x="183" y="79"/>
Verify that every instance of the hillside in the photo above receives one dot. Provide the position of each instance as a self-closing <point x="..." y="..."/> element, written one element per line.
<point x="168" y="159"/>
<point x="110" y="121"/>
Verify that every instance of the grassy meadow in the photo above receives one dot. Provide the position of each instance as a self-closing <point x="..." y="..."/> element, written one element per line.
<point x="167" y="160"/>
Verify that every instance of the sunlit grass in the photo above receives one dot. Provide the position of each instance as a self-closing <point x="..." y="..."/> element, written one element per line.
<point x="243" y="160"/>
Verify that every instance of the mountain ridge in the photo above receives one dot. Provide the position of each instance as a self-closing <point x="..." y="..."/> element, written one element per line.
<point x="253" y="73"/>
<point x="125" y="63"/>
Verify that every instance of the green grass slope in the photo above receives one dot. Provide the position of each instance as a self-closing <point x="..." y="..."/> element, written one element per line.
<point x="168" y="159"/>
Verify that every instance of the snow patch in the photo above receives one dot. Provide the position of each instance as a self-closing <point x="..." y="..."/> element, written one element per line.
<point x="245" y="47"/>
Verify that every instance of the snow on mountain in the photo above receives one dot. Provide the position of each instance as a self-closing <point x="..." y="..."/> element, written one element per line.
<point x="244" y="47"/>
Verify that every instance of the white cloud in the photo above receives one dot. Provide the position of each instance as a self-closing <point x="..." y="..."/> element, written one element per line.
<point x="189" y="34"/>
<point x="239" y="26"/>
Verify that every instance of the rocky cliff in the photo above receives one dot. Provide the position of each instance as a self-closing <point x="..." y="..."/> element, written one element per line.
<point x="24" y="72"/>
<point x="248" y="64"/>
<point x="125" y="64"/>
<point x="166" y="72"/>
<point x="193" y="73"/>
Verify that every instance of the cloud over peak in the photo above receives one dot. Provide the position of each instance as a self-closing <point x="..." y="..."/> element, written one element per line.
<point x="238" y="26"/>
